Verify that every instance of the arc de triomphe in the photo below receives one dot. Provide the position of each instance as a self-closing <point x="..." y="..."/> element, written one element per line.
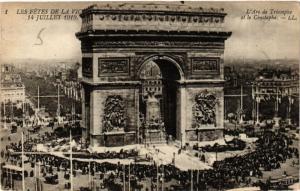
<point x="187" y="43"/>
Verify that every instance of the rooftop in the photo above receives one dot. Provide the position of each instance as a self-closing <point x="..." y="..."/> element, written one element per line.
<point x="150" y="6"/>
<point x="270" y="73"/>
<point x="11" y="80"/>
<point x="167" y="17"/>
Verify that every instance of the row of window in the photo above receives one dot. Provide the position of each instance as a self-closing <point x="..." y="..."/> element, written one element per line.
<point x="153" y="82"/>
<point x="152" y="89"/>
<point x="6" y="100"/>
<point x="13" y="94"/>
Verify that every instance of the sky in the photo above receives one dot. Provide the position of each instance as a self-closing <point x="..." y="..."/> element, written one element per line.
<point x="254" y="39"/>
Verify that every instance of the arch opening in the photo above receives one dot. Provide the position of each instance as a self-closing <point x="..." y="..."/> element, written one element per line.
<point x="157" y="103"/>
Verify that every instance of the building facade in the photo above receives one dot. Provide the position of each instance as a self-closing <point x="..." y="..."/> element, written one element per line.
<point x="275" y="86"/>
<point x="187" y="44"/>
<point x="12" y="88"/>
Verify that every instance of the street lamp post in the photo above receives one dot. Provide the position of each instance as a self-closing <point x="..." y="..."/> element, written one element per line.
<point x="23" y="113"/>
<point x="241" y="107"/>
<point x="198" y="180"/>
<point x="4" y="115"/>
<point x="277" y="101"/>
<point x="23" y="174"/>
<point x="71" y="162"/>
<point x="124" y="180"/>
<point x="291" y="101"/>
<point x="89" y="174"/>
<point x="257" y="109"/>
<point x="162" y="179"/>
<point x="129" y="177"/>
<point x="192" y="180"/>
<point x="253" y="103"/>
<point x="58" y="105"/>
<point x="35" y="174"/>
<point x="156" y="177"/>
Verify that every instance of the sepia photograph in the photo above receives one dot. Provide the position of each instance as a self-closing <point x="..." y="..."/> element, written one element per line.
<point x="149" y="96"/>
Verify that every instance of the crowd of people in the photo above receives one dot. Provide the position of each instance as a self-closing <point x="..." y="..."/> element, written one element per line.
<point x="272" y="149"/>
<point x="122" y="154"/>
<point x="233" y="145"/>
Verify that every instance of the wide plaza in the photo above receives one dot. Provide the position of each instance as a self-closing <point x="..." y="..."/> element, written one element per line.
<point x="177" y="167"/>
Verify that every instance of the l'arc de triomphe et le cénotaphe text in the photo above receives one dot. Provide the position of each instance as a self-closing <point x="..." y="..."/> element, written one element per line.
<point x="187" y="45"/>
